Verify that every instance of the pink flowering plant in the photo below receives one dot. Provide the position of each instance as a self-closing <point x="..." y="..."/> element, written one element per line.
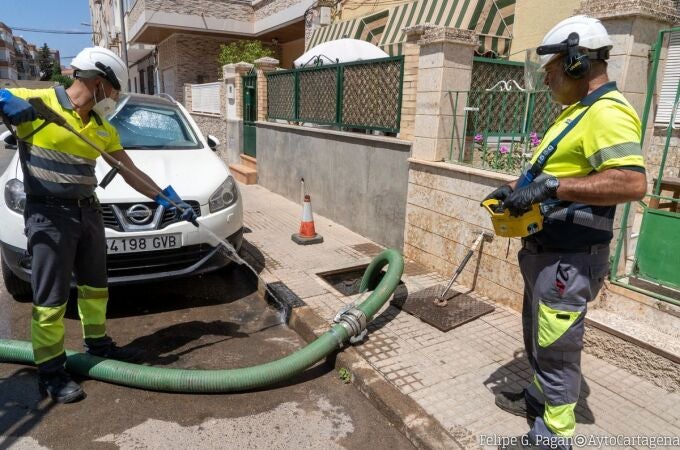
<point x="504" y="156"/>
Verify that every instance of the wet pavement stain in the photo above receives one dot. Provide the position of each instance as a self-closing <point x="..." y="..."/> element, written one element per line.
<point x="215" y="321"/>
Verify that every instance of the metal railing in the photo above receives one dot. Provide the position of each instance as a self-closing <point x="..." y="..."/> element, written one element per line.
<point x="661" y="238"/>
<point x="500" y="126"/>
<point x="358" y="95"/>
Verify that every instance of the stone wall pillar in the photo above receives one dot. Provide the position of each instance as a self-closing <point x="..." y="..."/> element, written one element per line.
<point x="444" y="65"/>
<point x="633" y="26"/>
<point x="232" y="76"/>
<point x="410" y="86"/>
<point x="264" y="65"/>
<point x="187" y="96"/>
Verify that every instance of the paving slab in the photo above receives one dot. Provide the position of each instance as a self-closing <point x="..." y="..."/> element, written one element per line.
<point x="451" y="376"/>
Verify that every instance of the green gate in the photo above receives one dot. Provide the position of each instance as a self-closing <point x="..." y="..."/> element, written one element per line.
<point x="249" y="114"/>
<point x="654" y="269"/>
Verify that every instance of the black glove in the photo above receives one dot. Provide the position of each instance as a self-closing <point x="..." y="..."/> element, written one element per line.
<point x="521" y="200"/>
<point x="499" y="194"/>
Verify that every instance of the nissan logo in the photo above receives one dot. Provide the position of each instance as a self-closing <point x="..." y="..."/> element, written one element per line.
<point x="138" y="214"/>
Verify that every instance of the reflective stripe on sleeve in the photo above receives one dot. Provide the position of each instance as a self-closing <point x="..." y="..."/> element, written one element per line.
<point x="619" y="152"/>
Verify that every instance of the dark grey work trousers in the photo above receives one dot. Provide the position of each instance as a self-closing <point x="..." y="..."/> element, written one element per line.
<point x="557" y="289"/>
<point x="65" y="241"/>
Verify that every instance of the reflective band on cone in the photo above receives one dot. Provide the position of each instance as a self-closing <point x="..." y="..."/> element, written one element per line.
<point x="307" y="224"/>
<point x="307" y="234"/>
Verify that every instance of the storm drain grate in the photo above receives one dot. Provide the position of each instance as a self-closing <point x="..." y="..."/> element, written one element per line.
<point x="461" y="308"/>
<point x="348" y="280"/>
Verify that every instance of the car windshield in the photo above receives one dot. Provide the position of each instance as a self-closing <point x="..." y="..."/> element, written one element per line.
<point x="149" y="126"/>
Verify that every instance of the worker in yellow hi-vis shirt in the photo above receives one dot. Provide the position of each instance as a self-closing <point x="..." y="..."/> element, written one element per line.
<point x="63" y="218"/>
<point x="588" y="161"/>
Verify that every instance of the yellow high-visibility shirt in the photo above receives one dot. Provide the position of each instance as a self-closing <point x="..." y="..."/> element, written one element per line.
<point x="606" y="137"/>
<point x="56" y="162"/>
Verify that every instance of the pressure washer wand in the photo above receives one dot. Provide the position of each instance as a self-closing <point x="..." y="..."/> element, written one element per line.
<point x="441" y="300"/>
<point x="50" y="116"/>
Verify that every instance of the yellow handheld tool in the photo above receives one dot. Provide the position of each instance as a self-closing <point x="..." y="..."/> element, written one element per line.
<point x="508" y="226"/>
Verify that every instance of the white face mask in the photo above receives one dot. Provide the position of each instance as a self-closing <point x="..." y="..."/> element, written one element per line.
<point x="104" y="107"/>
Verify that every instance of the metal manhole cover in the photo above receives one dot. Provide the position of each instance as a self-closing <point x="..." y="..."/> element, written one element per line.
<point x="461" y="308"/>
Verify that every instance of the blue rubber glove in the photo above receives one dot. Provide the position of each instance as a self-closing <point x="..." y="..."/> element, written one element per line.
<point x="16" y="109"/>
<point x="187" y="213"/>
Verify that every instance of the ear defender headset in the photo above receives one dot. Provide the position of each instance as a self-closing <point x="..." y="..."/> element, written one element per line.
<point x="576" y="64"/>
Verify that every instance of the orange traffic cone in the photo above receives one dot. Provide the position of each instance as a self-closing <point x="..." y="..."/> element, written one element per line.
<point x="307" y="234"/>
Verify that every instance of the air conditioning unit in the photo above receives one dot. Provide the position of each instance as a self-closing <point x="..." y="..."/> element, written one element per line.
<point x="324" y="15"/>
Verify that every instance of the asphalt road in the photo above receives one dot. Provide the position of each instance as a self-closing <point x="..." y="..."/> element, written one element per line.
<point x="210" y="322"/>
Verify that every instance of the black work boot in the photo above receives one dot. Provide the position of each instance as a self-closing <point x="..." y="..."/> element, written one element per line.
<point x="516" y="403"/>
<point x="59" y="385"/>
<point x="106" y="348"/>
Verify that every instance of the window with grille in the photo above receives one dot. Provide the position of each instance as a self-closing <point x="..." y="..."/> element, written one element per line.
<point x="670" y="84"/>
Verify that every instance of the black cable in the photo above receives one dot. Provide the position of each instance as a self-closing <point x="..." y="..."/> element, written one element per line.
<point x="39" y="30"/>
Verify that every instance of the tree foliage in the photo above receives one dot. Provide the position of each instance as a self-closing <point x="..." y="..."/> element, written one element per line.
<point x="45" y="63"/>
<point x="62" y="79"/>
<point x="246" y="51"/>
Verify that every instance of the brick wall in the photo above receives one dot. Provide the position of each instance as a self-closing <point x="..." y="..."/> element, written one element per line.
<point x="233" y="9"/>
<point x="193" y="58"/>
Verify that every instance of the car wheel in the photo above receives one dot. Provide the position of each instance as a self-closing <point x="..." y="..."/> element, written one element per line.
<point x="18" y="288"/>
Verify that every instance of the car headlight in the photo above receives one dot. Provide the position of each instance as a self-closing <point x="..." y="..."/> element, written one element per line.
<point x="225" y="195"/>
<point x="15" y="197"/>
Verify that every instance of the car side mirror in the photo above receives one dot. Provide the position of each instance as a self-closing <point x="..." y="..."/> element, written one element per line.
<point x="213" y="142"/>
<point x="9" y="139"/>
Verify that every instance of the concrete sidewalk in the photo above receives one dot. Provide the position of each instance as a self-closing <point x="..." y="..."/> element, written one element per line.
<point x="452" y="376"/>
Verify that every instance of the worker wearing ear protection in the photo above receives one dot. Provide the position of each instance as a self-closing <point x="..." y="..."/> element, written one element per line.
<point x="64" y="225"/>
<point x="588" y="161"/>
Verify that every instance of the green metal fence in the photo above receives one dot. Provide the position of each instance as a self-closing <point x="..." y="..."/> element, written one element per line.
<point x="358" y="95"/>
<point x="653" y="270"/>
<point x="500" y="126"/>
<point x="486" y="72"/>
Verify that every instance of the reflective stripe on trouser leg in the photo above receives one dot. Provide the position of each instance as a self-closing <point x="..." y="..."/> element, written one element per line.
<point x="92" y="310"/>
<point x="47" y="332"/>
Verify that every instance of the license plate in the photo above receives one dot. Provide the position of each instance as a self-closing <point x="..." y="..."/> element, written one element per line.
<point x="143" y="243"/>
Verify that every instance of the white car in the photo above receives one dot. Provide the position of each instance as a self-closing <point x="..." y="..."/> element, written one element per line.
<point x="144" y="241"/>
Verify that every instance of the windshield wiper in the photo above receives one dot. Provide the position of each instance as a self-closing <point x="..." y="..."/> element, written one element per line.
<point x="144" y="147"/>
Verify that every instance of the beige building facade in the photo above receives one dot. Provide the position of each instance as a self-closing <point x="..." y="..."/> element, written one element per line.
<point x="170" y="44"/>
<point x="18" y="58"/>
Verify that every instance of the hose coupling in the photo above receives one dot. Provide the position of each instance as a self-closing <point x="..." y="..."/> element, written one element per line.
<point x="354" y="322"/>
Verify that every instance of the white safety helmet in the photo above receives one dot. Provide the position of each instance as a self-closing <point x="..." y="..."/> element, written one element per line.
<point x="92" y="61"/>
<point x="592" y="35"/>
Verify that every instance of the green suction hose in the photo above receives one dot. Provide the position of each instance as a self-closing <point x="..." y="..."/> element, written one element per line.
<point x="351" y="323"/>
